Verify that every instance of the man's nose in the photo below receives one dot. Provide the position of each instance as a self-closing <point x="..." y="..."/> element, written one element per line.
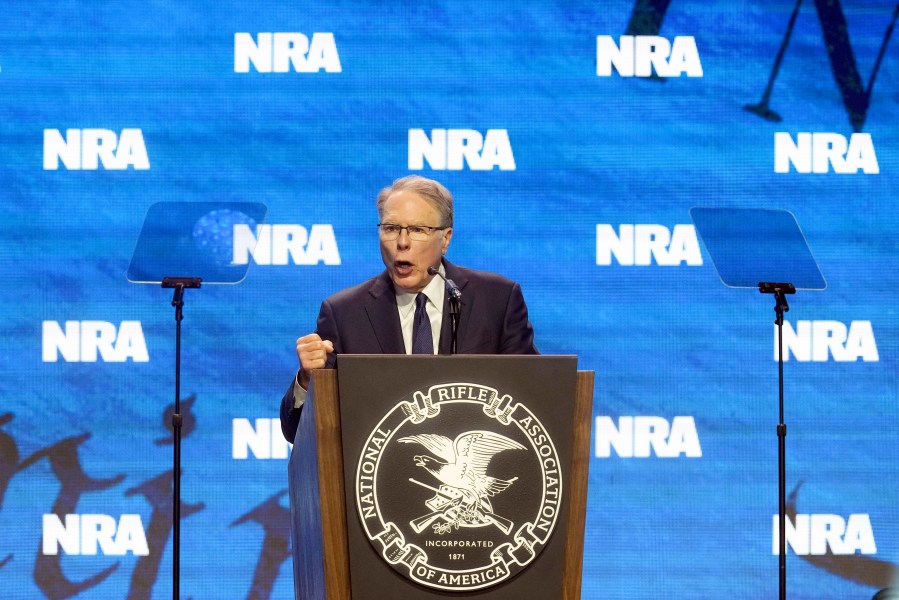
<point x="403" y="240"/>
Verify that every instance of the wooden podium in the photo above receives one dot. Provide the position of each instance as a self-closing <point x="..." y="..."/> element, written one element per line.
<point x="327" y="529"/>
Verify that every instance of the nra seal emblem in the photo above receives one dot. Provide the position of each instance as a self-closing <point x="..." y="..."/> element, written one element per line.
<point x="459" y="488"/>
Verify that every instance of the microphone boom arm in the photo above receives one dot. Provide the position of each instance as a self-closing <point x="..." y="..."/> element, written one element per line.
<point x="455" y="303"/>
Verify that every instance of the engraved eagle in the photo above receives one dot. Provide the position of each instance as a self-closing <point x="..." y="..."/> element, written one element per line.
<point x="462" y="464"/>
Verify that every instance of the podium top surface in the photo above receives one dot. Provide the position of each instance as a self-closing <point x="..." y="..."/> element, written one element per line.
<point x="195" y="239"/>
<point x="749" y="246"/>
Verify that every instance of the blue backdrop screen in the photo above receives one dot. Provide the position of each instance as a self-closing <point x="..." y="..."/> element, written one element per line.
<point x="575" y="138"/>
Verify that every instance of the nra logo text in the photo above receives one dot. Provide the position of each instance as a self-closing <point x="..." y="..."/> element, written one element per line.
<point x="821" y="341"/>
<point x="264" y="439"/>
<point x="84" y="341"/>
<point x="641" y="245"/>
<point x="89" y="149"/>
<point x="281" y="52"/>
<point x="454" y="149"/>
<point x="825" y="153"/>
<point x="285" y="244"/>
<point x="639" y="55"/>
<point x="84" y="534"/>
<point x="643" y="437"/>
<point x="816" y="535"/>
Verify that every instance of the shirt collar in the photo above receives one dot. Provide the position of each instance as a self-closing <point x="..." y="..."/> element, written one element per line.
<point x="435" y="291"/>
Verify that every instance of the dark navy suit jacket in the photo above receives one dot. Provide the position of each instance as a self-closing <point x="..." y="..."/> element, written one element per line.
<point x="363" y="319"/>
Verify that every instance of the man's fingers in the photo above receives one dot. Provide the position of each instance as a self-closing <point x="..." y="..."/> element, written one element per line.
<point x="312" y="361"/>
<point x="313" y="351"/>
<point x="306" y="339"/>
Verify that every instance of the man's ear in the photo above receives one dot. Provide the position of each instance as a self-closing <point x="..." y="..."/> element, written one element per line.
<point x="447" y="235"/>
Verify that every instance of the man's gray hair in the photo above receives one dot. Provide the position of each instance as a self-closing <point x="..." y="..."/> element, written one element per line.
<point x="432" y="191"/>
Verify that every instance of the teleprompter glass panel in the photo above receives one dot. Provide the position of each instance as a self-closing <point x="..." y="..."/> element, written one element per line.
<point x="193" y="239"/>
<point x="749" y="246"/>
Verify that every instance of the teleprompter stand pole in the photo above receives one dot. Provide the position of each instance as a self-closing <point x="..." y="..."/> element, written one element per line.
<point x="780" y="307"/>
<point x="179" y="284"/>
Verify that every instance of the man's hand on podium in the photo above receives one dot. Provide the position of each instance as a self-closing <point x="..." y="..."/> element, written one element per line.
<point x="313" y="352"/>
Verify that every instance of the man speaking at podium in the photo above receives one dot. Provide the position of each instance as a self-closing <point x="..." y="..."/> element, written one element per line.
<point x="405" y="309"/>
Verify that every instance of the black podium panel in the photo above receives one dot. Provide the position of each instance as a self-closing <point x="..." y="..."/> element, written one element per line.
<point x="456" y="470"/>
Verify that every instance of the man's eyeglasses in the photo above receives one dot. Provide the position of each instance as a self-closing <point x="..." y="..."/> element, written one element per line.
<point x="418" y="233"/>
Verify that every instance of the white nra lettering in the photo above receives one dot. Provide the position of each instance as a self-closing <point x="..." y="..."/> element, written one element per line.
<point x="83" y="341"/>
<point x="821" y="341"/>
<point x="282" y="244"/>
<point x="279" y="52"/>
<point x="82" y="534"/>
<point x="825" y="152"/>
<point x="638" y="56"/>
<point x="453" y="149"/>
<point x="88" y="149"/>
<point x="264" y="440"/>
<point x="640" y="437"/>
<point x="816" y="535"/>
<point x="639" y="245"/>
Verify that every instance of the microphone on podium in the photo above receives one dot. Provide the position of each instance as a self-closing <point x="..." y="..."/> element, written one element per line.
<point x="455" y="300"/>
<point x="454" y="291"/>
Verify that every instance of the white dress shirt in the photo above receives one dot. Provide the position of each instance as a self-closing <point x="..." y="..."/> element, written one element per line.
<point x="405" y="303"/>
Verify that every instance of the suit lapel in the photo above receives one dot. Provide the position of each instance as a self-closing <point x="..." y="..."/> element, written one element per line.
<point x="383" y="316"/>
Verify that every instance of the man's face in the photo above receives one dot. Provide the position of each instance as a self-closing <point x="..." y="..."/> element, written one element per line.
<point x="407" y="260"/>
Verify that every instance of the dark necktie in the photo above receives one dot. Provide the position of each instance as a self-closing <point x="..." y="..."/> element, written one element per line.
<point x="422" y="338"/>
